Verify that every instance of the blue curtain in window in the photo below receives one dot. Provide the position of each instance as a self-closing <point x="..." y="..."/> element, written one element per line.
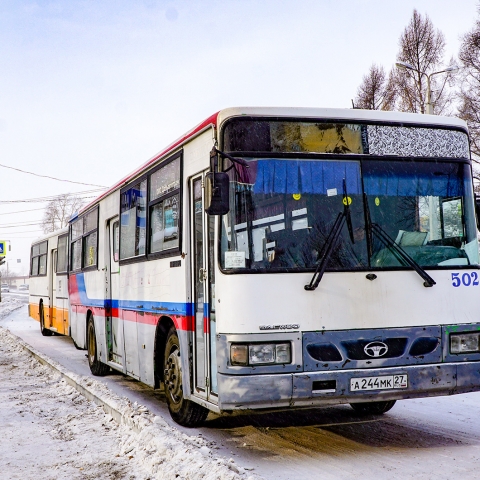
<point x="301" y="176"/>
<point x="413" y="185"/>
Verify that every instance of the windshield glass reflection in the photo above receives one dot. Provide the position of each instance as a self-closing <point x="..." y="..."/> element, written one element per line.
<point x="426" y="208"/>
<point x="282" y="211"/>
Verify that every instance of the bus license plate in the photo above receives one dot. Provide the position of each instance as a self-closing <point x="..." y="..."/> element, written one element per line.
<point x="378" y="383"/>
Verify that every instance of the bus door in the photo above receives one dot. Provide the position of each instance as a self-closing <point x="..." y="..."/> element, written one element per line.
<point x="52" y="309"/>
<point x="203" y="289"/>
<point x="114" y="325"/>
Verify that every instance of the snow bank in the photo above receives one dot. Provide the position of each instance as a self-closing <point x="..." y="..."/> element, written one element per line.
<point x="8" y="305"/>
<point x="147" y="440"/>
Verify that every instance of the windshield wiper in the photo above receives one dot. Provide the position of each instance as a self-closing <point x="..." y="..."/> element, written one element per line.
<point x="331" y="241"/>
<point x="326" y="252"/>
<point x="390" y="243"/>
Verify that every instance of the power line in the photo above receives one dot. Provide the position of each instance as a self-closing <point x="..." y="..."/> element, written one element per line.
<point x="24" y="223"/>
<point x="51" y="178"/>
<point x="26" y="231"/>
<point x="52" y="197"/>
<point x="18" y="238"/>
<point x="13" y="225"/>
<point x="23" y="211"/>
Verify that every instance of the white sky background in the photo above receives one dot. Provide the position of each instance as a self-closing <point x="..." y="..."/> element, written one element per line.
<point x="89" y="90"/>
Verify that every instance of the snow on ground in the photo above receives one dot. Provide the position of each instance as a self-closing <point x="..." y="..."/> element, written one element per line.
<point x="49" y="430"/>
<point x="8" y="305"/>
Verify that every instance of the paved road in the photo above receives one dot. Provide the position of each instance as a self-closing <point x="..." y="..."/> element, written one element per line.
<point x="422" y="439"/>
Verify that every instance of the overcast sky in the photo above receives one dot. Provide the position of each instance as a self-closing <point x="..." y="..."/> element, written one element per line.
<point x="89" y="90"/>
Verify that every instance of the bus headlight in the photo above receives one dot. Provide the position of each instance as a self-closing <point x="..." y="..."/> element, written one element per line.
<point x="282" y="353"/>
<point x="260" y="354"/>
<point x="464" y="342"/>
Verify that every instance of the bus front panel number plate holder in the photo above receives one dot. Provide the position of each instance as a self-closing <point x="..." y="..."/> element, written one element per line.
<point x="384" y="382"/>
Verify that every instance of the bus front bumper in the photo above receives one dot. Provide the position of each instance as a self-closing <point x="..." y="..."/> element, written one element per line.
<point x="329" y="388"/>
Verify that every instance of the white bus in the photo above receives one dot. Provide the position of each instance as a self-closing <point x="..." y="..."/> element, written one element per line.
<point x="287" y="257"/>
<point x="48" y="291"/>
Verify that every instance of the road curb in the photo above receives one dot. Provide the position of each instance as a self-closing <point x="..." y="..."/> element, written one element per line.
<point x="122" y="414"/>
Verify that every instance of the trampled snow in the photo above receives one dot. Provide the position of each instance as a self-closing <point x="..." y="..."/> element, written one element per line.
<point x="49" y="430"/>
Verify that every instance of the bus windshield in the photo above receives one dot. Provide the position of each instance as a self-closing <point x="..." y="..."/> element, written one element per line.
<point x="283" y="210"/>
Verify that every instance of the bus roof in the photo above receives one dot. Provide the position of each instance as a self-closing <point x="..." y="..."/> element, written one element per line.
<point x="341" y="114"/>
<point x="351" y="114"/>
<point x="56" y="233"/>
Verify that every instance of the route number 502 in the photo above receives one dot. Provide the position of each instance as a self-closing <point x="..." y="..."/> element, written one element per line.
<point x="467" y="279"/>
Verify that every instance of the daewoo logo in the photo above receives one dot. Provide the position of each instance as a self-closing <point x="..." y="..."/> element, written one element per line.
<point x="375" y="349"/>
<point x="294" y="326"/>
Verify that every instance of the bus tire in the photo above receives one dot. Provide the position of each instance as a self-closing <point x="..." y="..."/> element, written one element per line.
<point x="45" y="331"/>
<point x="183" y="411"/>
<point x="373" y="408"/>
<point x="98" y="368"/>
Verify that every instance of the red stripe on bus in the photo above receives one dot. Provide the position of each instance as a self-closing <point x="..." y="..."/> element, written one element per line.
<point x="206" y="325"/>
<point x="184" y="323"/>
<point x="73" y="290"/>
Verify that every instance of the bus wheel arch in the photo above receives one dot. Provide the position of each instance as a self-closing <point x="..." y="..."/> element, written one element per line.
<point x="41" y="314"/>
<point x="183" y="411"/>
<point x="88" y="316"/>
<point x="161" y="333"/>
<point x="97" y="367"/>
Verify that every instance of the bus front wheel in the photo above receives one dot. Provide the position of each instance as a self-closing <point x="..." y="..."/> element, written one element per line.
<point x="97" y="367"/>
<point x="183" y="411"/>
<point x="373" y="408"/>
<point x="45" y="331"/>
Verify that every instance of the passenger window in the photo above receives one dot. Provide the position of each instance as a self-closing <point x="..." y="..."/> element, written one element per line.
<point x="83" y="241"/>
<point x="116" y="238"/>
<point x="164" y="207"/>
<point x="62" y="256"/>
<point x="90" y="253"/>
<point x="38" y="264"/>
<point x="133" y="221"/>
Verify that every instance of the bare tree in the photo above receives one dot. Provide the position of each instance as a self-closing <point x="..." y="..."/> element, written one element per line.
<point x="422" y="46"/>
<point x="59" y="210"/>
<point x="376" y="92"/>
<point x="6" y="275"/>
<point x="469" y="93"/>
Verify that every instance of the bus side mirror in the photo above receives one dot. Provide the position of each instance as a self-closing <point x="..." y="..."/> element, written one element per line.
<point x="216" y="193"/>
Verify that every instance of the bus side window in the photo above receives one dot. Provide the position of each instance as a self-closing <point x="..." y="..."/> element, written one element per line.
<point x="133" y="220"/>
<point x="116" y="237"/>
<point x="62" y="255"/>
<point x="39" y="259"/>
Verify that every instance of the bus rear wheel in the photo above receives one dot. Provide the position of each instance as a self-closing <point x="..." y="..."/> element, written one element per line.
<point x="45" y="331"/>
<point x="373" y="408"/>
<point x="97" y="367"/>
<point x="183" y="411"/>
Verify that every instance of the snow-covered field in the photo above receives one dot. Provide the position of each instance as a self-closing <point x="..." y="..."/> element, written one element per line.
<point x="51" y="431"/>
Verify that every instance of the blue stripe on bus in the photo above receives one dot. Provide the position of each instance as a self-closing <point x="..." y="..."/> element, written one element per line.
<point x="174" y="308"/>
